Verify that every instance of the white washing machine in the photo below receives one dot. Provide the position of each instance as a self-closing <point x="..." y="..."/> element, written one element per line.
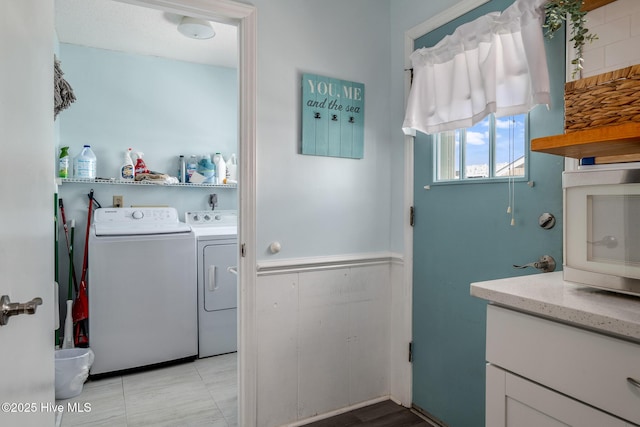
<point x="217" y="248"/>
<point x="142" y="288"/>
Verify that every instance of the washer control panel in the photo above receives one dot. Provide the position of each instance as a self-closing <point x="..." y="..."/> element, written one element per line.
<point x="137" y="221"/>
<point x="211" y="218"/>
<point x="129" y="215"/>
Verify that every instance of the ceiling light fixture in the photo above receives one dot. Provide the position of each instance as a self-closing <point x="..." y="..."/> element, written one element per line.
<point x="196" y="28"/>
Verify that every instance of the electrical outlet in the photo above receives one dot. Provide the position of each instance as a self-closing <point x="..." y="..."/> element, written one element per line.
<point x="118" y="201"/>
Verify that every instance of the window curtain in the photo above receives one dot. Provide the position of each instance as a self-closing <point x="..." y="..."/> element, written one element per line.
<point x="494" y="64"/>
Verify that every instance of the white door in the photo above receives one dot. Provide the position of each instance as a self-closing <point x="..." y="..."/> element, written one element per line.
<point x="27" y="209"/>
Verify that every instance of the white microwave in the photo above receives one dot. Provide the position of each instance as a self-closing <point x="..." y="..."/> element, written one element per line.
<point x="602" y="228"/>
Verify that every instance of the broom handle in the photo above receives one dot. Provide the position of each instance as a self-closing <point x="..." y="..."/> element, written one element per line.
<point x="66" y="236"/>
<point x="86" y="239"/>
<point x="71" y="275"/>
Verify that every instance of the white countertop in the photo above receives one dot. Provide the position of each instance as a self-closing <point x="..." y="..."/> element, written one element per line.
<point x="546" y="294"/>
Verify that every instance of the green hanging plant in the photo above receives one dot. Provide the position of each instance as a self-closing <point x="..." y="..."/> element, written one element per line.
<point x="558" y="11"/>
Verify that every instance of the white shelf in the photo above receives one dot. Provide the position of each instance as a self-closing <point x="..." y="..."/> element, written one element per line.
<point x="61" y="181"/>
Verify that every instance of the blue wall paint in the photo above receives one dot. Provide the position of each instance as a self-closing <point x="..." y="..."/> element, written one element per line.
<point x="158" y="106"/>
<point x="462" y="235"/>
<point x="161" y="107"/>
<point x="316" y="205"/>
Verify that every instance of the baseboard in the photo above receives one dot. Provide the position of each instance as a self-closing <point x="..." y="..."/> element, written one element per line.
<point x="337" y="412"/>
<point x="428" y="417"/>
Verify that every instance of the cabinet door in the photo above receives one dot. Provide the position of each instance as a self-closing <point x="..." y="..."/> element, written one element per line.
<point x="513" y="401"/>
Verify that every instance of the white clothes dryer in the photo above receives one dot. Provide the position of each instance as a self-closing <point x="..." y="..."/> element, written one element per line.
<point x="217" y="248"/>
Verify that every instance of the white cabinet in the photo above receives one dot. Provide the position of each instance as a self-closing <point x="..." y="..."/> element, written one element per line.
<point x="543" y="373"/>
<point x="513" y="401"/>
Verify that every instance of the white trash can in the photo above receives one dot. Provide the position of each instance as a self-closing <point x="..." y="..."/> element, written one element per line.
<point x="72" y="370"/>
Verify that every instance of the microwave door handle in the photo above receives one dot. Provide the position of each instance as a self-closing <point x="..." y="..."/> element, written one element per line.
<point x="609" y="242"/>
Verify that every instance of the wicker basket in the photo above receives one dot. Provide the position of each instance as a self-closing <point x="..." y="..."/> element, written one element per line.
<point x="606" y="99"/>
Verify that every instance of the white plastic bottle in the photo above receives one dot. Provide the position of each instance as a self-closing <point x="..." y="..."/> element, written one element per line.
<point x="127" y="171"/>
<point x="84" y="164"/>
<point x="221" y="168"/>
<point x="232" y="169"/>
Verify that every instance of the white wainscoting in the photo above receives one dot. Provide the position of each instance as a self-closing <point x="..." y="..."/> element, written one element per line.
<point x="324" y="335"/>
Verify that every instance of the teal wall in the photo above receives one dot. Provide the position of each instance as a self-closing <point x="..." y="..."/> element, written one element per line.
<point x="462" y="235"/>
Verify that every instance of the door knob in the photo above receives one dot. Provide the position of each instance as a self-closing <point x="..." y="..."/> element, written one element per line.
<point x="546" y="264"/>
<point x="9" y="308"/>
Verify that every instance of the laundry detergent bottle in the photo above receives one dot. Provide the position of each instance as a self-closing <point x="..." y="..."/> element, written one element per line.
<point x="221" y="168"/>
<point x="232" y="169"/>
<point x="127" y="171"/>
<point x="192" y="166"/>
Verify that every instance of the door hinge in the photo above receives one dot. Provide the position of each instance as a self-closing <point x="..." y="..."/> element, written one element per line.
<point x="412" y="216"/>
<point x="242" y="251"/>
<point x="411" y="352"/>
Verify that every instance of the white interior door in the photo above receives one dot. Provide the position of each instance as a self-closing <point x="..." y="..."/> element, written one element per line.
<point x="26" y="226"/>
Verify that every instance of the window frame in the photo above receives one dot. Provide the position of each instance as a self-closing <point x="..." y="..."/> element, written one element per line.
<point x="492" y="155"/>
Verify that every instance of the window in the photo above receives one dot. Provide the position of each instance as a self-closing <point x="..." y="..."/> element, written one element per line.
<point x="492" y="148"/>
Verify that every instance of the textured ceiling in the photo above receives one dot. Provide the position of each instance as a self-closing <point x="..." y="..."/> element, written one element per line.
<point x="110" y="24"/>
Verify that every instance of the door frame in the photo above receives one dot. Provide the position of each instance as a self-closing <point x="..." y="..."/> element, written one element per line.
<point x="244" y="17"/>
<point x="410" y="37"/>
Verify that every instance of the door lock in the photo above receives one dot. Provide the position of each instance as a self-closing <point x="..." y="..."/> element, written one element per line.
<point x="547" y="221"/>
<point x="546" y="264"/>
<point x="9" y="308"/>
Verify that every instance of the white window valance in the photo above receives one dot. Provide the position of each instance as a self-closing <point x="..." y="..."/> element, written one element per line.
<point x="494" y="64"/>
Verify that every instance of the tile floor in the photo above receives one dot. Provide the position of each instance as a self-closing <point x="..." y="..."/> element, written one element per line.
<point x="199" y="393"/>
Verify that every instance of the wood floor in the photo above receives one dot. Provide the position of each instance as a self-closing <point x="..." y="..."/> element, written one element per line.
<point x="383" y="414"/>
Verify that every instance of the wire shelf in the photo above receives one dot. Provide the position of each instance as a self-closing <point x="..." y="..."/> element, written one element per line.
<point x="114" y="181"/>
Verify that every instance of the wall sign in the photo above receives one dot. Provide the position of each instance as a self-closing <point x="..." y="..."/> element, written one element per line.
<point x="332" y="117"/>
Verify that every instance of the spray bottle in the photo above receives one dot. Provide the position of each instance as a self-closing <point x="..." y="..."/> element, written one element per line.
<point x="141" y="167"/>
<point x="63" y="163"/>
<point x="127" y="171"/>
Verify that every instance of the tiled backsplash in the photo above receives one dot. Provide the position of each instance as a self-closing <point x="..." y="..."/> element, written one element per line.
<point x="618" y="28"/>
